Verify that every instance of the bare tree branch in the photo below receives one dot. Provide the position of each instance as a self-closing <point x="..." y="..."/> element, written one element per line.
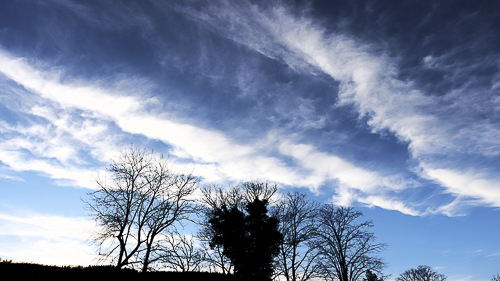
<point x="141" y="200"/>
<point x="421" y="273"/>
<point x="179" y="252"/>
<point x="297" y="258"/>
<point x="347" y="250"/>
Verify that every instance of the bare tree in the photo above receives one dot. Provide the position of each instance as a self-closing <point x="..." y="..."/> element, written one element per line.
<point x="214" y="197"/>
<point x="179" y="252"/>
<point x="169" y="203"/>
<point x="297" y="257"/>
<point x="496" y="278"/>
<point x="215" y="261"/>
<point x="262" y="191"/>
<point x="421" y="273"/>
<point x="347" y="250"/>
<point x="141" y="200"/>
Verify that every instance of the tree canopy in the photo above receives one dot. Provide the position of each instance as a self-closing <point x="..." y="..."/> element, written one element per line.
<point x="421" y="273"/>
<point x="136" y="204"/>
<point x="250" y="240"/>
<point x="347" y="248"/>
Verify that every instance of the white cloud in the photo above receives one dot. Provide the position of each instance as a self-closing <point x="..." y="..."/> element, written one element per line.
<point x="47" y="239"/>
<point x="470" y="184"/>
<point x="323" y="166"/>
<point x="43" y="148"/>
<point x="211" y="150"/>
<point x="354" y="183"/>
<point x="367" y="81"/>
<point x="44" y="226"/>
<point x="215" y="156"/>
<point x="18" y="162"/>
<point x="389" y="204"/>
<point x="435" y="126"/>
<point x="52" y="252"/>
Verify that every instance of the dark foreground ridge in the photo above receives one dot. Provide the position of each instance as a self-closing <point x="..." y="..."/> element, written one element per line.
<point x="29" y="271"/>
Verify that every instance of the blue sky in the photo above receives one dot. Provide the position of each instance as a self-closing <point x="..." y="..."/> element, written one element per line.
<point x="389" y="106"/>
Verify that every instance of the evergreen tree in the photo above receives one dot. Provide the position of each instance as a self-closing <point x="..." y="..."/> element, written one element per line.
<point x="250" y="240"/>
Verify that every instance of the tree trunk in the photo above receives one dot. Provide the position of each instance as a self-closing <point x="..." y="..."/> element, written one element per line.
<point x="120" y="256"/>
<point x="343" y="268"/>
<point x="146" y="258"/>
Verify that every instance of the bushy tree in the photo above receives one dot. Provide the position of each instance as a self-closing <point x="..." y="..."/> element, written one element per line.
<point x="213" y="200"/>
<point x="249" y="239"/>
<point x="370" y="276"/>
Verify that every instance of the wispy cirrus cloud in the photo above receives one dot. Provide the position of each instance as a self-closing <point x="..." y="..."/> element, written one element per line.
<point x="354" y="183"/>
<point x="214" y="156"/>
<point x="66" y="237"/>
<point x="440" y="129"/>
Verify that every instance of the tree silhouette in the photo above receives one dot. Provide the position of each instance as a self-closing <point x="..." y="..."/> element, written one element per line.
<point x="370" y="276"/>
<point x="214" y="198"/>
<point x="179" y="252"/>
<point x="142" y="199"/>
<point x="347" y="249"/>
<point x="250" y="240"/>
<point x="264" y="238"/>
<point x="298" y="252"/>
<point x="421" y="273"/>
<point x="229" y="232"/>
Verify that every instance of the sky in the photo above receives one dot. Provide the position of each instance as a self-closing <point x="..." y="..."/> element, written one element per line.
<point x="392" y="107"/>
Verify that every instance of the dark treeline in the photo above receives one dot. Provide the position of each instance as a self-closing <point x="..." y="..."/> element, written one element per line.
<point x="246" y="232"/>
<point x="250" y="230"/>
<point x="11" y="271"/>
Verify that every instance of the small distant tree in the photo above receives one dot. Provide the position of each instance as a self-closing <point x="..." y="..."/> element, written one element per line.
<point x="347" y="248"/>
<point x="141" y="199"/>
<point x="370" y="276"/>
<point x="421" y="273"/>
<point x="496" y="278"/>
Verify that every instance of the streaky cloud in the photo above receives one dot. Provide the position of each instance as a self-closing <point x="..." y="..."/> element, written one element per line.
<point x="471" y="184"/>
<point x="66" y="238"/>
<point x="215" y="155"/>
<point x="439" y="129"/>
<point x="354" y="183"/>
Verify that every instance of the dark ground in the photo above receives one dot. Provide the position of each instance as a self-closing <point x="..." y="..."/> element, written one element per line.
<point x="28" y="271"/>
